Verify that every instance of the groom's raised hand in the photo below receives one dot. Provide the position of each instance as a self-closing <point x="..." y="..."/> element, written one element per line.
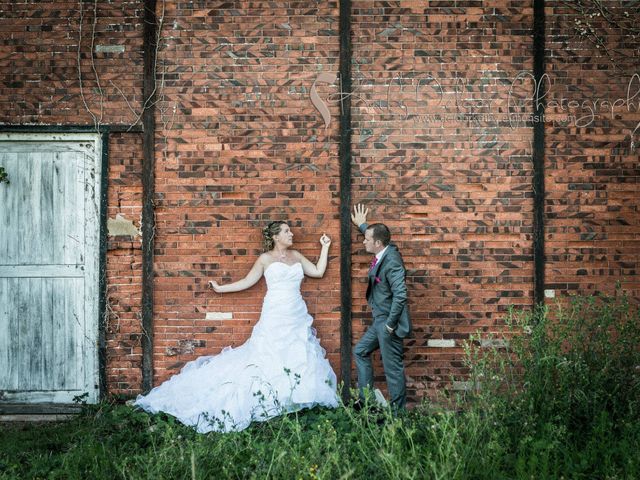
<point x="359" y="215"/>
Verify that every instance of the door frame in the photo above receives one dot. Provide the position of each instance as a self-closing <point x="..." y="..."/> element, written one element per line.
<point x="103" y="132"/>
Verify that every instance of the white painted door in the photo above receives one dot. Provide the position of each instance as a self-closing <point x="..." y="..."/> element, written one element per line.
<point x="49" y="267"/>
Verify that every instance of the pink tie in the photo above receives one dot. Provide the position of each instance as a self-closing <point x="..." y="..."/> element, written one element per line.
<point x="374" y="260"/>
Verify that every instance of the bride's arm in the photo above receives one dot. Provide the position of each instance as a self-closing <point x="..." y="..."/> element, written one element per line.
<point x="317" y="270"/>
<point x="249" y="281"/>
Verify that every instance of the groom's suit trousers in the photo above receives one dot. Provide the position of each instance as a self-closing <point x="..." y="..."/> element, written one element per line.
<point x="391" y="351"/>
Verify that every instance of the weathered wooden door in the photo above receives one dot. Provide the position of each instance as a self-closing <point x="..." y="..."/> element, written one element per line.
<point x="49" y="267"/>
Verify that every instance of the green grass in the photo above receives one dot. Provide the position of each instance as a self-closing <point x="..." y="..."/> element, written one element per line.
<point x="561" y="401"/>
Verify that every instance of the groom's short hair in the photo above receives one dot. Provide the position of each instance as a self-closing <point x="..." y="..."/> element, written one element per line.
<point x="380" y="232"/>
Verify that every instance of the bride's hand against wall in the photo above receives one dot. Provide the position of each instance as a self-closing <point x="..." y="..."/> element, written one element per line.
<point x="214" y="285"/>
<point x="325" y="241"/>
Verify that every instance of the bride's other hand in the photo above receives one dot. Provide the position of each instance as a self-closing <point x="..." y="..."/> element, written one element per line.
<point x="325" y="241"/>
<point x="248" y="281"/>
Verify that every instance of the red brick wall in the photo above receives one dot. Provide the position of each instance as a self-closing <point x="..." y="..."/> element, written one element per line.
<point x="40" y="81"/>
<point x="593" y="173"/>
<point x="239" y="143"/>
<point x="124" y="268"/>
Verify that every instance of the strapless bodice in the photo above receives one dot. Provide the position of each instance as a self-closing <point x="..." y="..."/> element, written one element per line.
<point x="281" y="276"/>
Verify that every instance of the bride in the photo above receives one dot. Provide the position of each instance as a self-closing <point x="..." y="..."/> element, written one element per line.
<point x="280" y="368"/>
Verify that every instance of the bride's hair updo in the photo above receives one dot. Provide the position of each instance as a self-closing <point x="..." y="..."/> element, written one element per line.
<point x="270" y="231"/>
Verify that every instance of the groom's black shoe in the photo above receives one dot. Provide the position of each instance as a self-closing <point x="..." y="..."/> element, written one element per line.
<point x="372" y="410"/>
<point x="365" y="407"/>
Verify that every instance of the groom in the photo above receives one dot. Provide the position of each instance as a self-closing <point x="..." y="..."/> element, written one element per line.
<point x="387" y="297"/>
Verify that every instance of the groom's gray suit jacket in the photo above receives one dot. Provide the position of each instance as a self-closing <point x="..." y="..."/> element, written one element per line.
<point x="387" y="291"/>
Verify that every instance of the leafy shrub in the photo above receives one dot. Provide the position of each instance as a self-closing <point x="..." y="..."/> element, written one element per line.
<point x="562" y="378"/>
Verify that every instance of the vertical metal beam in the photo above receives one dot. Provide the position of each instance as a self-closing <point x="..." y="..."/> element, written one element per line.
<point x="148" y="188"/>
<point x="345" y="195"/>
<point x="538" y="152"/>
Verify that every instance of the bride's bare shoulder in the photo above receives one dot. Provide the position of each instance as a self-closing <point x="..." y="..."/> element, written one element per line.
<point x="264" y="259"/>
<point x="299" y="257"/>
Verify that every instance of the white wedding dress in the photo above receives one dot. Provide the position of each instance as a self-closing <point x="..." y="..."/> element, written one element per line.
<point x="280" y="368"/>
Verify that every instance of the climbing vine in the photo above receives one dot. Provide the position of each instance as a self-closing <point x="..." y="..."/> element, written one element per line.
<point x="598" y="23"/>
<point x="99" y="91"/>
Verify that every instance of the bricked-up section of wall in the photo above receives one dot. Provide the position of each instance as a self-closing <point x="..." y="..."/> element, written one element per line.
<point x="593" y="172"/>
<point x="124" y="269"/>
<point x="240" y="144"/>
<point x="438" y="161"/>
<point x="41" y="83"/>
